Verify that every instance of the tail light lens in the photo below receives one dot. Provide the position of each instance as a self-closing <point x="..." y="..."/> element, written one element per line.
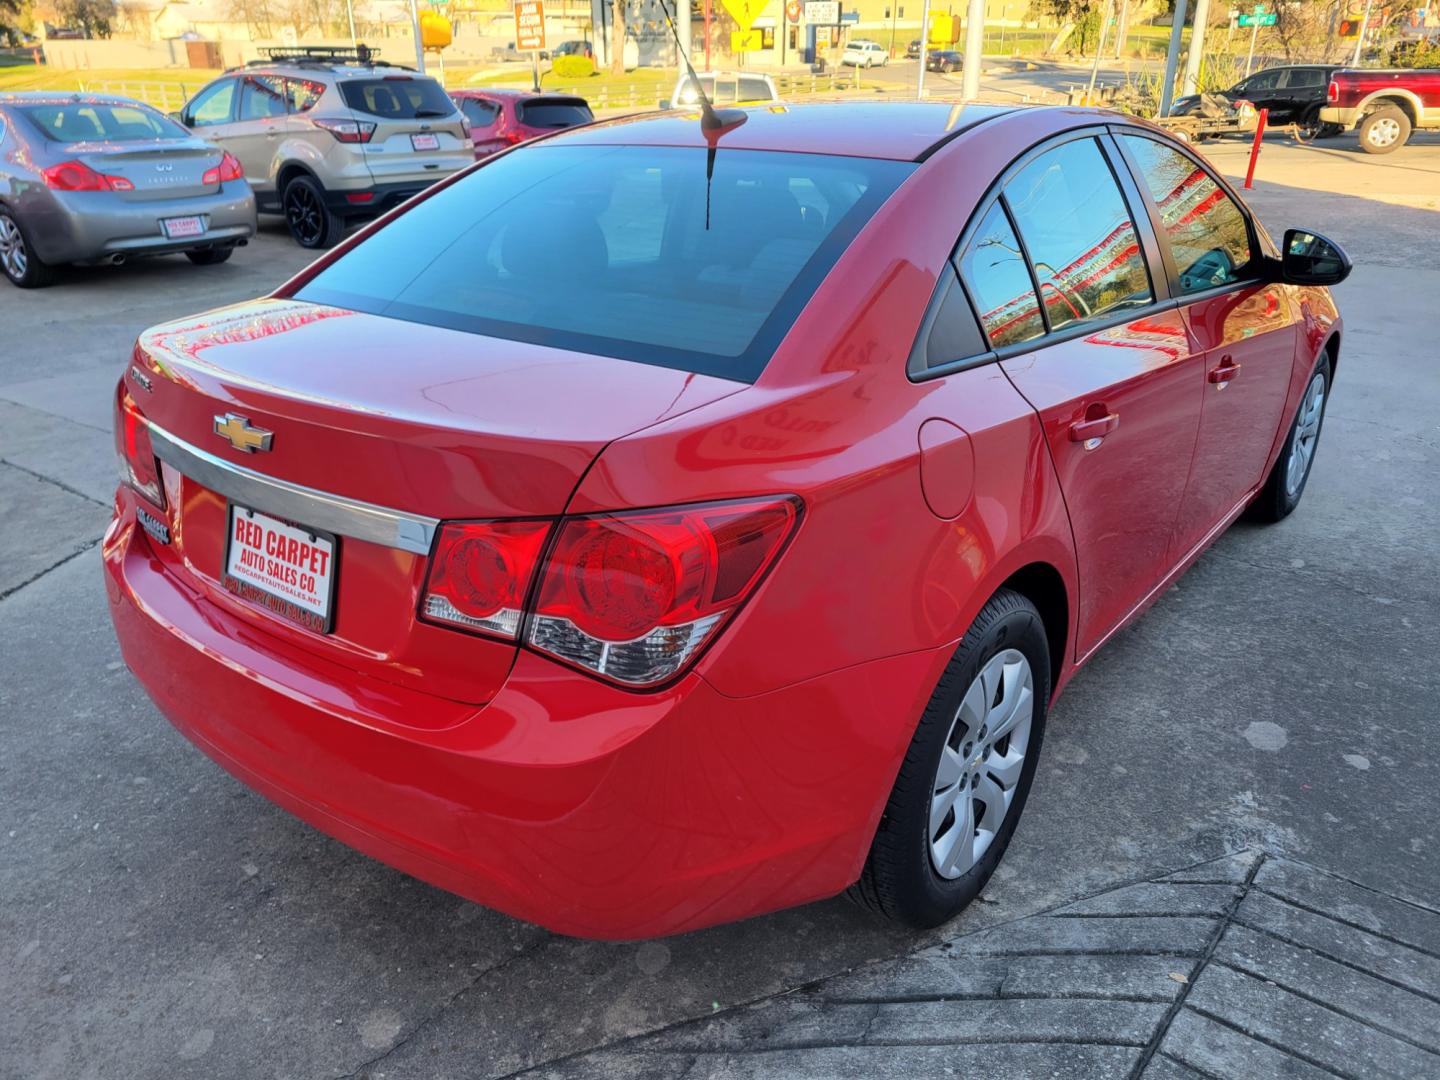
<point x="137" y="456"/>
<point x="348" y="131"/>
<point x="77" y="176"/>
<point x="229" y="169"/>
<point x="1332" y="92"/>
<point x="481" y="572"/>
<point x="513" y="137"/>
<point x="634" y="597"/>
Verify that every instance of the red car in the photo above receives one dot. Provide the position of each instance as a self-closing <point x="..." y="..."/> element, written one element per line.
<point x="656" y="525"/>
<point x="499" y="119"/>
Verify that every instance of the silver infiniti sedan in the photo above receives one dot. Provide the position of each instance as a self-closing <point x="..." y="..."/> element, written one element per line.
<point x="93" y="179"/>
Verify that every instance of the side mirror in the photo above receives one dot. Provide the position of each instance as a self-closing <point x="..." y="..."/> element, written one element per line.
<point x="1310" y="259"/>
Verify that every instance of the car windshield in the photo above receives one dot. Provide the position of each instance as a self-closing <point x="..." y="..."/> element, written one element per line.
<point x="620" y="251"/>
<point x="397" y="97"/>
<point x="84" y="122"/>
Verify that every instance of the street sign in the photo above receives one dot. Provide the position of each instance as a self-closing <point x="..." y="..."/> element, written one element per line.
<point x="529" y="25"/>
<point x="1268" y="19"/>
<point x="744" y="12"/>
<point x="822" y="12"/>
<point x="747" y="40"/>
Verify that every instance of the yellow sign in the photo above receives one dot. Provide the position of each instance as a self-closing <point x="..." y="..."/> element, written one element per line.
<point x="747" y="40"/>
<point x="944" y="29"/>
<point x="435" y="32"/>
<point x="744" y="12"/>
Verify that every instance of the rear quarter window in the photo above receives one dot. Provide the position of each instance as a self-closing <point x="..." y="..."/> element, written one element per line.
<point x="620" y="251"/>
<point x="397" y="97"/>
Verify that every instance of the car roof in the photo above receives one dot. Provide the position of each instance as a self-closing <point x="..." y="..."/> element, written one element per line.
<point x="902" y="131"/>
<point x="511" y="94"/>
<point x="301" y="68"/>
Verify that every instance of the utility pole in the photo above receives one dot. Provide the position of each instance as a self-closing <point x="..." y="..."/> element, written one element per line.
<point x="419" y="45"/>
<point x="924" y="50"/>
<point x="1167" y="89"/>
<point x="1360" y="37"/>
<point x="350" y="11"/>
<point x="974" y="50"/>
<point x="1197" y="47"/>
<point x="1099" y="49"/>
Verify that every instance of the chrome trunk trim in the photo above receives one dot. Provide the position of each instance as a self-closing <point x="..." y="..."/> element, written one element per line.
<point x="303" y="505"/>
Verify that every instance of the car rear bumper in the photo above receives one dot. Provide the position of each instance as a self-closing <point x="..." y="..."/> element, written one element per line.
<point x="377" y="198"/>
<point x="92" y="226"/>
<point x="1332" y="114"/>
<point x="566" y="802"/>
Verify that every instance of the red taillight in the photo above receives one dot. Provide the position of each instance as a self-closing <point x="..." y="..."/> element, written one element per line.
<point x="480" y="573"/>
<point x="348" y="131"/>
<point x="137" y="456"/>
<point x="229" y="169"/>
<point x="635" y="596"/>
<point x="1332" y="92"/>
<point x="77" y="176"/>
<point x="513" y="136"/>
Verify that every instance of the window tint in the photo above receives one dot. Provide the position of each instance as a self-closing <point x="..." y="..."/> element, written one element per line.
<point x="1078" y="234"/>
<point x="994" y="270"/>
<point x="618" y="251"/>
<point x="262" y="97"/>
<point x="1302" y="78"/>
<point x="555" y="114"/>
<point x="1266" y="80"/>
<point x="213" y="105"/>
<point x="108" y="123"/>
<point x="481" y="114"/>
<point x="1207" y="231"/>
<point x="753" y="88"/>
<point x="304" y="94"/>
<point x="954" y="335"/>
<point x="398" y="97"/>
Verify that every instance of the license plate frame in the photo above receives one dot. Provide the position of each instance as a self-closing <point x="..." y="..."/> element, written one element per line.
<point x="425" y="141"/>
<point x="183" y="228"/>
<point x="261" y="592"/>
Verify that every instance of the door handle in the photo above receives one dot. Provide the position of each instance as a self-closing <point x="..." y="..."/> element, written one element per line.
<point x="1093" y="430"/>
<point x="1222" y="375"/>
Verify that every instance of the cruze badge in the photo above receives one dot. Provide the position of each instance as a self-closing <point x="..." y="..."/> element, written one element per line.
<point x="241" y="434"/>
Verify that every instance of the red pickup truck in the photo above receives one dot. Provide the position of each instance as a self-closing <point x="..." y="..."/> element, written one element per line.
<point x="1387" y="104"/>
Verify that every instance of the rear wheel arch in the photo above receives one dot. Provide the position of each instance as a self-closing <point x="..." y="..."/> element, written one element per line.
<point x="1400" y="101"/>
<point x="1044" y="586"/>
<point x="289" y="171"/>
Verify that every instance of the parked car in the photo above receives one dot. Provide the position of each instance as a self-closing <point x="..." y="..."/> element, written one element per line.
<point x="861" y="53"/>
<point x="723" y="88"/>
<point x="501" y="118"/>
<point x="327" y="140"/>
<point x="912" y="51"/>
<point x="632" y="544"/>
<point x="944" y="61"/>
<point x="575" y="47"/>
<point x="88" y="178"/>
<point x="1386" y="105"/>
<point x="1294" y="95"/>
<point x="508" y="54"/>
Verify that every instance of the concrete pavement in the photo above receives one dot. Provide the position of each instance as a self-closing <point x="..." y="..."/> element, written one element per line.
<point x="159" y="920"/>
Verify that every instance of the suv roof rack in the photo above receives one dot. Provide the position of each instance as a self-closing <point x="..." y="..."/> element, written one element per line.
<point x="321" y="55"/>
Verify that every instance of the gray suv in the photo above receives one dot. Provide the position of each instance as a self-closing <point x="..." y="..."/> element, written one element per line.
<point x="327" y="137"/>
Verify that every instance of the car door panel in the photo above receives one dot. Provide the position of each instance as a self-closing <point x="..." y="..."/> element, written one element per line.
<point x="261" y="121"/>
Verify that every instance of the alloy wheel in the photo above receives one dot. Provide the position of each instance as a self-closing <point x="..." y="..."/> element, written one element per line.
<point x="1307" y="434"/>
<point x="304" y="214"/>
<point x="981" y="763"/>
<point x="13" y="257"/>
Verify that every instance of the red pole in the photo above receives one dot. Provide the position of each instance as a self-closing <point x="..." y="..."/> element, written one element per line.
<point x="1255" y="148"/>
<point x="707" y="34"/>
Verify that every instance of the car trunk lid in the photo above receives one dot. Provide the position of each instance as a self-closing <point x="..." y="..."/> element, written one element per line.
<point x="160" y="169"/>
<point x="423" y="422"/>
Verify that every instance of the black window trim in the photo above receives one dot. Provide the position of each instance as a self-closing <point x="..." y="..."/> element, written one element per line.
<point x="1144" y="224"/>
<point x="1259" y="251"/>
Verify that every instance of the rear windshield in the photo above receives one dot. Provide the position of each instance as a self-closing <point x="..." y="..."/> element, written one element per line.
<point x="79" y="122"/>
<point x="726" y="90"/>
<point x="555" y="114"/>
<point x="397" y="97"/>
<point x="620" y="251"/>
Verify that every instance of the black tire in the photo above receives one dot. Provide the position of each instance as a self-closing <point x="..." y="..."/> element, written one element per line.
<point x="18" y="261"/>
<point x="900" y="880"/>
<point x="1277" y="500"/>
<point x="1384" y="130"/>
<point x="209" y="256"/>
<point x="312" y="224"/>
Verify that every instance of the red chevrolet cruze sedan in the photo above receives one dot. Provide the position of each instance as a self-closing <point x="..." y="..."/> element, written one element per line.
<point x="656" y="524"/>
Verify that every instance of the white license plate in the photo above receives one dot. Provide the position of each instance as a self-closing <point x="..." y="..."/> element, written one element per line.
<point x="425" y="142"/>
<point x="177" y="228"/>
<point x="286" y="568"/>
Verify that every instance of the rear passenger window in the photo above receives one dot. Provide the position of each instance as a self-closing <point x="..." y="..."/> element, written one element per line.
<point x="1078" y="235"/>
<point x="994" y="269"/>
<point x="1207" y="231"/>
<point x="481" y="114"/>
<point x="261" y="97"/>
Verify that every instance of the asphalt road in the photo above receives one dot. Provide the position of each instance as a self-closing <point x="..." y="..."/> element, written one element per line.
<point x="159" y="920"/>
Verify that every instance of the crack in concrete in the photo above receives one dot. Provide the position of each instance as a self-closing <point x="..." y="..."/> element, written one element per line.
<point x="57" y="483"/>
<point x="7" y="593"/>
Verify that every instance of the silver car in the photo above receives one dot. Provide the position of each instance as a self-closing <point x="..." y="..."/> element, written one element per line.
<point x="93" y="179"/>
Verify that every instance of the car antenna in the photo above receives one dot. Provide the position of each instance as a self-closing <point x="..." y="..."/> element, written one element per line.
<point x="713" y="124"/>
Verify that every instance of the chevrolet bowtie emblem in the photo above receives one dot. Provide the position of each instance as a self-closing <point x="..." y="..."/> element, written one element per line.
<point x="242" y="436"/>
